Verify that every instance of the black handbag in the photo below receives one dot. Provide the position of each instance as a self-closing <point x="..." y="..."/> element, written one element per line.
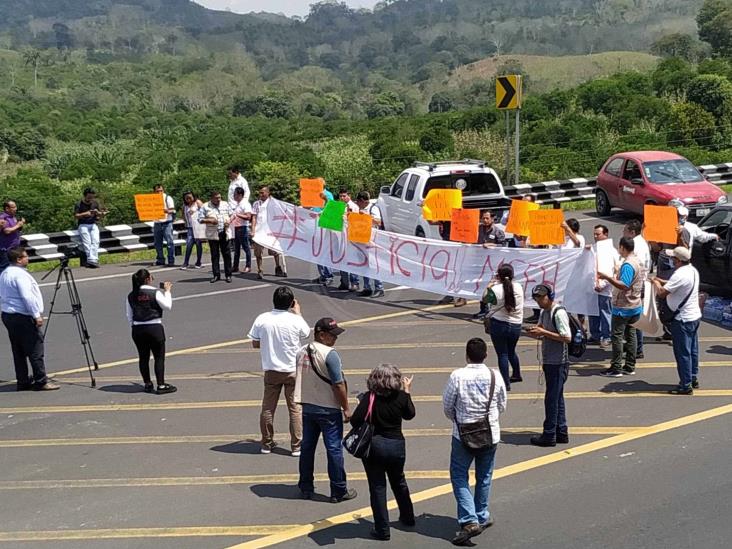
<point x="478" y="436"/>
<point x="358" y="440"/>
<point x="665" y="313"/>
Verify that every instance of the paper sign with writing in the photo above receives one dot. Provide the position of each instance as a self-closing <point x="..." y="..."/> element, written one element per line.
<point x="310" y="191"/>
<point x="359" y="227"/>
<point x="150" y="207"/>
<point x="439" y="204"/>
<point x="545" y="227"/>
<point x="332" y="216"/>
<point x="518" y="217"/>
<point x="464" y="225"/>
<point x="660" y="224"/>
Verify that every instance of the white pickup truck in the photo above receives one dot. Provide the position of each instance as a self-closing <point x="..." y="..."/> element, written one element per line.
<point x="401" y="202"/>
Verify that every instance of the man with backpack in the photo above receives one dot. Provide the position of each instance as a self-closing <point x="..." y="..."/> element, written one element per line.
<point x="627" y="303"/>
<point x="555" y="332"/>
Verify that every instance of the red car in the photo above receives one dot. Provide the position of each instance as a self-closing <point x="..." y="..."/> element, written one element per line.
<point x="632" y="179"/>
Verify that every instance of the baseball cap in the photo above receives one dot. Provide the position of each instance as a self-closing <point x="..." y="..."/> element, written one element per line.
<point x="683" y="211"/>
<point x="541" y="290"/>
<point x="328" y="325"/>
<point x="680" y="253"/>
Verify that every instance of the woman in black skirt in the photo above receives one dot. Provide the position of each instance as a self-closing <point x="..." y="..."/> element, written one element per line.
<point x="392" y="403"/>
<point x="145" y="305"/>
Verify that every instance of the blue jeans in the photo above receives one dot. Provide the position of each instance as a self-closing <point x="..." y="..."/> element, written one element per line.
<point x="329" y="423"/>
<point x="324" y="272"/>
<point x="471" y="507"/>
<point x="241" y="242"/>
<point x="164" y="232"/>
<point x="600" y="325"/>
<point x="555" y="421"/>
<point x="378" y="285"/>
<point x="89" y="236"/>
<point x="505" y="336"/>
<point x="347" y="278"/>
<point x="686" y="350"/>
<point x="190" y="242"/>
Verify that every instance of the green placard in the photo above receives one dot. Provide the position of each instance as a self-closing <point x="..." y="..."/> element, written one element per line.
<point x="332" y="216"/>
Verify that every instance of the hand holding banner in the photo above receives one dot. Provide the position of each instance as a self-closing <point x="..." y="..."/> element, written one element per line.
<point x="150" y="207"/>
<point x="660" y="223"/>
<point x="439" y="204"/>
<point x="359" y="227"/>
<point x="545" y="227"/>
<point x="518" y="217"/>
<point x="464" y="225"/>
<point x="310" y="193"/>
<point x="332" y="216"/>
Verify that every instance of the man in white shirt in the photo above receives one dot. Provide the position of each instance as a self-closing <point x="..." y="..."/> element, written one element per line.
<point x="682" y="295"/>
<point x="695" y="233"/>
<point x="22" y="314"/>
<point x="573" y="238"/>
<point x="607" y="257"/>
<point x="163" y="230"/>
<point x="216" y="215"/>
<point x="259" y="208"/>
<point x="348" y="281"/>
<point x="278" y="335"/>
<point x="237" y="180"/>
<point x="363" y="201"/>
<point x="633" y="229"/>
<point x="472" y="393"/>
<point x="240" y="222"/>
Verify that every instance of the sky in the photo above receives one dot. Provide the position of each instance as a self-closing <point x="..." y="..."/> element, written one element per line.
<point x="288" y="7"/>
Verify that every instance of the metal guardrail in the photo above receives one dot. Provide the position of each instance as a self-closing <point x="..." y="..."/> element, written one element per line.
<point x="130" y="238"/>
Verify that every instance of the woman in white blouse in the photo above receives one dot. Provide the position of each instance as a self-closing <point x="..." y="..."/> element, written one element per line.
<point x="506" y="301"/>
<point x="196" y="232"/>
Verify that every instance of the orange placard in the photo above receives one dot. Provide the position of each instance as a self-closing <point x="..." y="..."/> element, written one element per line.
<point x="545" y="227"/>
<point x="311" y="191"/>
<point x="150" y="207"/>
<point x="464" y="225"/>
<point x="518" y="217"/>
<point x="660" y="224"/>
<point x="359" y="227"/>
<point x="439" y="204"/>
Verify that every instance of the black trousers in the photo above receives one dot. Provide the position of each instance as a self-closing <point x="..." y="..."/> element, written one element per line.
<point x="386" y="459"/>
<point x="220" y="247"/>
<point x="26" y="341"/>
<point x="150" y="338"/>
<point x="241" y="242"/>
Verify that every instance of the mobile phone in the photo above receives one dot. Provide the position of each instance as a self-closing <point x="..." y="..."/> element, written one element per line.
<point x="162" y="285"/>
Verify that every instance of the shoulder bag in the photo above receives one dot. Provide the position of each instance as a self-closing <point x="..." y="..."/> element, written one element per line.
<point x="666" y="313"/>
<point x="358" y="440"/>
<point x="478" y="436"/>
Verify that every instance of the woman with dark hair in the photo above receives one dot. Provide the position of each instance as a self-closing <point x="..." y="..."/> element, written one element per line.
<point x="506" y="301"/>
<point x="145" y="305"/>
<point x="196" y="232"/>
<point x="390" y="401"/>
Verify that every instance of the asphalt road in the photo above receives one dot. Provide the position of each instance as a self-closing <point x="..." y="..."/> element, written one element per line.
<point x="115" y="467"/>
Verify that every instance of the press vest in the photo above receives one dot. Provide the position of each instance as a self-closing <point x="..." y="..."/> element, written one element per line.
<point x="309" y="387"/>
<point x="552" y="352"/>
<point x="145" y="306"/>
<point x="630" y="298"/>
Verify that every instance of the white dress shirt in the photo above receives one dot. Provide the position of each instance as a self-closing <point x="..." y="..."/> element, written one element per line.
<point x="239" y="182"/>
<point x="19" y="293"/>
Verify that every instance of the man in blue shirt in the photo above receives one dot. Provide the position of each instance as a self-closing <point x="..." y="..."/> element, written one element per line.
<point x="22" y="315"/>
<point x="627" y="307"/>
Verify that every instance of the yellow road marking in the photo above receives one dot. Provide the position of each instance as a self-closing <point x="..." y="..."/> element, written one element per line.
<point x="256" y="403"/>
<point x="503" y="472"/>
<point x="223" y="439"/>
<point x="126" y="533"/>
<point x="224" y="376"/>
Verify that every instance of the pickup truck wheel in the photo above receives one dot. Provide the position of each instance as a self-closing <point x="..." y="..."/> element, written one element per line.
<point x="419" y="232"/>
<point x="602" y="203"/>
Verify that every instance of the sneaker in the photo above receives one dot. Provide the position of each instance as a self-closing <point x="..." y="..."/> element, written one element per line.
<point x="627" y="372"/>
<point x="350" y="494"/>
<point x="354" y="288"/>
<point x="166" y="388"/>
<point x="544" y="442"/>
<point x="198" y="266"/>
<point x="460" y="302"/>
<point x="378" y="293"/>
<point x="694" y="383"/>
<point x="184" y="267"/>
<point x="48" y="386"/>
<point x="366" y="293"/>
<point x="468" y="531"/>
<point x="228" y="279"/>
<point x="611" y="372"/>
<point x="682" y="391"/>
<point x="605" y="344"/>
<point x="639" y="356"/>
<point x="265" y="450"/>
<point x="296" y="453"/>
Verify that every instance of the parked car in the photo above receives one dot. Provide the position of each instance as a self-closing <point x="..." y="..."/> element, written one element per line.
<point x="633" y="179"/>
<point x="401" y="202"/>
<point x="713" y="259"/>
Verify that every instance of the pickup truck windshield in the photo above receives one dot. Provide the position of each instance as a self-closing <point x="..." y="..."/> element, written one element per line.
<point x="477" y="183"/>
<point x="671" y="171"/>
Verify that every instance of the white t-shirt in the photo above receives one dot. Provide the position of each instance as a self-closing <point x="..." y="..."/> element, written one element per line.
<point x="279" y="334"/>
<point x="351" y="206"/>
<point x="569" y="243"/>
<point x="243" y="207"/>
<point x="643" y="253"/>
<point x="169" y="205"/>
<point x="684" y="279"/>
<point x="501" y="313"/>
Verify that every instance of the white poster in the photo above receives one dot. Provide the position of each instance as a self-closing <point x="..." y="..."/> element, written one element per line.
<point x="444" y="268"/>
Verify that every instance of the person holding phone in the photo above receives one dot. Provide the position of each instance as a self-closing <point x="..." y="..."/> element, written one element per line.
<point x="88" y="213"/>
<point x="145" y="305"/>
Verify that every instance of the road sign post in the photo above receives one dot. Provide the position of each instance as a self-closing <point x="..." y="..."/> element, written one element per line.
<point x="509" y="96"/>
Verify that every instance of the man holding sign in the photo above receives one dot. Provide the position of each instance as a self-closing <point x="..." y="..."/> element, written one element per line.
<point x="163" y="230"/>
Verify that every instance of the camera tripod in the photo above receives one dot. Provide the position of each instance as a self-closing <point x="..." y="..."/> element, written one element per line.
<point x="66" y="275"/>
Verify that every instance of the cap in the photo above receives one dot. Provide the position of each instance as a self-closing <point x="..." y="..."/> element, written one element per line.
<point x="680" y="253"/>
<point x="541" y="290"/>
<point x="683" y="211"/>
<point x="328" y="325"/>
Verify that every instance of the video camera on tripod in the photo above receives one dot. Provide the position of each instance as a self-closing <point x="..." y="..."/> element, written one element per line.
<point x="65" y="273"/>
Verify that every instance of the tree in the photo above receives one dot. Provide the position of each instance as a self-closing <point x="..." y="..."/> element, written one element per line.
<point x="676" y="44"/>
<point x="437" y="139"/>
<point x="714" y="94"/>
<point x="32" y="57"/>
<point x="690" y="124"/>
<point x="715" y="25"/>
<point x="441" y="102"/>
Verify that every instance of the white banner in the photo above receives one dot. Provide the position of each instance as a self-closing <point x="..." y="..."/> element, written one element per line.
<point x="444" y="268"/>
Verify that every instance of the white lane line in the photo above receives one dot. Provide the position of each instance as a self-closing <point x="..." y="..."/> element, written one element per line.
<point x="222" y="292"/>
<point x="397" y="288"/>
<point x="121" y="275"/>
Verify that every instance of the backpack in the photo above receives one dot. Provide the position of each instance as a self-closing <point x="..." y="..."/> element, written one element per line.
<point x="578" y="344"/>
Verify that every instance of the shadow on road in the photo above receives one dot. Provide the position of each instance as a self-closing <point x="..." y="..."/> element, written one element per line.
<point x="428" y="525"/>
<point x="135" y="388"/>
<point x="720" y="350"/>
<point x="637" y="386"/>
<point x="285" y="491"/>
